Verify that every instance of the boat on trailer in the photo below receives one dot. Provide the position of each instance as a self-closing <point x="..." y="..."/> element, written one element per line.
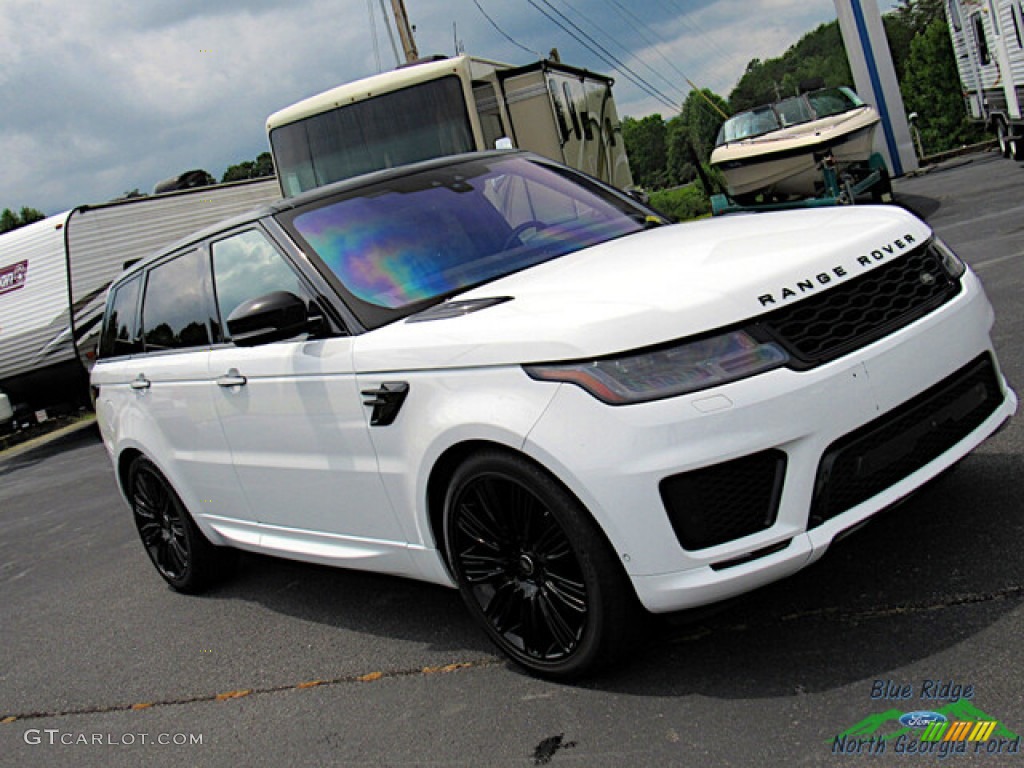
<point x="777" y="150"/>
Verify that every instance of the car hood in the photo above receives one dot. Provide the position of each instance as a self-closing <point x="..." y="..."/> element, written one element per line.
<point x="651" y="287"/>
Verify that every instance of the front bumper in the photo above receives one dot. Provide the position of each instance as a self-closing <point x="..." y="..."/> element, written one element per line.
<point x="615" y="458"/>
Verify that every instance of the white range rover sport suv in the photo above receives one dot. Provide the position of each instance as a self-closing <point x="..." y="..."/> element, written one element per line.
<point x="494" y="373"/>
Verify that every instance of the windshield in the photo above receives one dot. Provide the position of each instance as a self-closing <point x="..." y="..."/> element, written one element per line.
<point x="399" y="245"/>
<point x="792" y="111"/>
<point x="833" y="101"/>
<point x="748" y="124"/>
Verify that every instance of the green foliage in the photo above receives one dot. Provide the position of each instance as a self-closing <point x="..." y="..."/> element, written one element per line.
<point x="930" y="87"/>
<point x="918" y="15"/>
<point x="818" y="54"/>
<point x="9" y="220"/>
<point x="682" y="203"/>
<point x="259" y="168"/>
<point x="645" y="146"/>
<point x="702" y="115"/>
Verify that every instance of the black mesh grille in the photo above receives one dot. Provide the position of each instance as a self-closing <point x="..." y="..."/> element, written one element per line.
<point x="883" y="452"/>
<point x="717" y="504"/>
<point x="828" y="325"/>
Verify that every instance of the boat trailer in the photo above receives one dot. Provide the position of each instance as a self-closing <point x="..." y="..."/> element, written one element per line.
<point x="838" y="189"/>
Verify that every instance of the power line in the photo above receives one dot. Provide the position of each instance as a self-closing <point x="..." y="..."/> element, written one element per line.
<point x="373" y="34"/>
<point x="391" y="34"/>
<point x="671" y="84"/>
<point x="504" y="33"/>
<point x="590" y="44"/>
<point x="638" y="26"/>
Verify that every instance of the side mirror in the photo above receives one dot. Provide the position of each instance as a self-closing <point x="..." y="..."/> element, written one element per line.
<point x="640" y="195"/>
<point x="272" y="317"/>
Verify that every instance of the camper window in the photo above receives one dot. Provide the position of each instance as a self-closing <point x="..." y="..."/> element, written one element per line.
<point x="979" y="35"/>
<point x="954" y="14"/>
<point x="420" y="122"/>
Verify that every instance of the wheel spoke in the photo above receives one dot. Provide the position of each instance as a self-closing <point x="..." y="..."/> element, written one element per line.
<point x="478" y="529"/>
<point x="552" y="543"/>
<point x="572" y="594"/>
<point x="150" y="533"/>
<point x="481" y="568"/>
<point x="179" y="554"/>
<point x="560" y="630"/>
<point x="501" y="609"/>
<point x="493" y="505"/>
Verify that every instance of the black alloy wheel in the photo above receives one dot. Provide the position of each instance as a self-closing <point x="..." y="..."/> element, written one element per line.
<point x="176" y="547"/>
<point x="534" y="569"/>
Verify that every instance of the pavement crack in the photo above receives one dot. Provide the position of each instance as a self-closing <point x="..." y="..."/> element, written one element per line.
<point x="368" y="677"/>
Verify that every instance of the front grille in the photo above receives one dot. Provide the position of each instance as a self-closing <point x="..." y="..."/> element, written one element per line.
<point x="716" y="504"/>
<point x="888" y="449"/>
<point x="831" y="324"/>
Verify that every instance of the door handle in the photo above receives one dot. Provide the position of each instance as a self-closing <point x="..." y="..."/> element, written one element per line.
<point x="232" y="379"/>
<point x="141" y="382"/>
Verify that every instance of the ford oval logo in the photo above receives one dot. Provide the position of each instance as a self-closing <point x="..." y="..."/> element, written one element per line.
<point x="921" y="719"/>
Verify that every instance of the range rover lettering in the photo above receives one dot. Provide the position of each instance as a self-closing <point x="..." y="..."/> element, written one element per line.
<point x="494" y="373"/>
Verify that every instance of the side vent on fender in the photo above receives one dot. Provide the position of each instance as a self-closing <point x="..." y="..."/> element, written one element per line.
<point x="386" y="402"/>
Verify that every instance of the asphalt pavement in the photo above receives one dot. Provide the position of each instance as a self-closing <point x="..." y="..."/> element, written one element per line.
<point x="292" y="664"/>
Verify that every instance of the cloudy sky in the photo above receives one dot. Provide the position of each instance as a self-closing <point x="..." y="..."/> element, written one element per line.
<point x="104" y="96"/>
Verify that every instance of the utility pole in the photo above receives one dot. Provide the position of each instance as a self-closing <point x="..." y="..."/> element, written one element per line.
<point x="405" y="31"/>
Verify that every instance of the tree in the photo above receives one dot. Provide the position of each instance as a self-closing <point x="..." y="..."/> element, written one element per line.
<point x="930" y="87"/>
<point x="259" y="168"/>
<point x="646" y="149"/>
<point x="918" y="15"/>
<point x="703" y="113"/>
<point x="9" y="220"/>
<point x="818" y="54"/>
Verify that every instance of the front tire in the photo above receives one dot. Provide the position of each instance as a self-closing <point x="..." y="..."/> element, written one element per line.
<point x="178" y="550"/>
<point x="534" y="569"/>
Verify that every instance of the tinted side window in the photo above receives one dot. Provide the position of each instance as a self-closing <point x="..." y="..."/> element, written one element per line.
<point x="120" y="331"/>
<point x="176" y="311"/>
<point x="247" y="265"/>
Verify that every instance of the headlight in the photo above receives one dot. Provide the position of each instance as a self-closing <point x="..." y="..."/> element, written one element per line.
<point x="952" y="263"/>
<point x="669" y="371"/>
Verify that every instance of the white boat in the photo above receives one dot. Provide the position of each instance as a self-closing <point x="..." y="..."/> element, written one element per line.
<point x="776" y="149"/>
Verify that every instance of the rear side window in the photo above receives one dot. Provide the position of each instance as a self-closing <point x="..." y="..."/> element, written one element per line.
<point x="177" y="309"/>
<point x="120" y="331"/>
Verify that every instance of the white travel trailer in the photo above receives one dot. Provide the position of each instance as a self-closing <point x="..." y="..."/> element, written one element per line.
<point x="988" y="41"/>
<point x="54" y="276"/>
<point x="443" y="107"/>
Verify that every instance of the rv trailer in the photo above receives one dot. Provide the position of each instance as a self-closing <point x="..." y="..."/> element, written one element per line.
<point x="54" y="276"/>
<point x="443" y="106"/>
<point x="988" y="42"/>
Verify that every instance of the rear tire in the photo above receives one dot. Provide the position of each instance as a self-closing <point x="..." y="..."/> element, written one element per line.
<point x="1003" y="136"/>
<point x="179" y="551"/>
<point x="534" y="569"/>
<point x="1017" y="148"/>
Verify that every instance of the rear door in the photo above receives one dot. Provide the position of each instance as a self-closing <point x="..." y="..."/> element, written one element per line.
<point x="165" y="399"/>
